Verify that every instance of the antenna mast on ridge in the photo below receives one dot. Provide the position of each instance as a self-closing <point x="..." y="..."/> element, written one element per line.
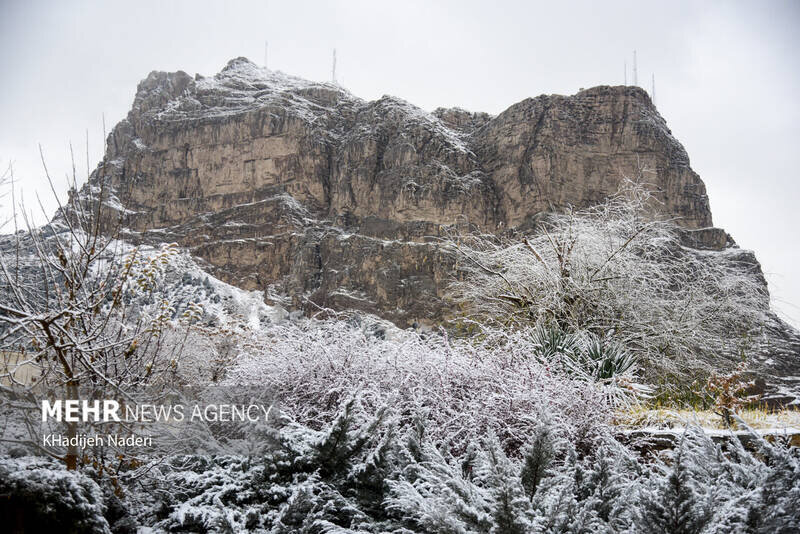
<point x="333" y="70"/>
<point x="635" y="74"/>
<point x="266" y="50"/>
<point x="653" y="92"/>
<point x="625" y="68"/>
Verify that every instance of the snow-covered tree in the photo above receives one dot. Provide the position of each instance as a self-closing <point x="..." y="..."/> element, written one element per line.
<point x="78" y="320"/>
<point x="617" y="270"/>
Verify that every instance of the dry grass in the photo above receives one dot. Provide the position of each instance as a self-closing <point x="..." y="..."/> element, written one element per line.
<point x="757" y="418"/>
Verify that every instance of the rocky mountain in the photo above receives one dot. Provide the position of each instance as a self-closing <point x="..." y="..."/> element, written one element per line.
<point x="320" y="198"/>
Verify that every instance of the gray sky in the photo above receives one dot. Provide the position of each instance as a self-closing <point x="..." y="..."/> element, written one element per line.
<point x="727" y="78"/>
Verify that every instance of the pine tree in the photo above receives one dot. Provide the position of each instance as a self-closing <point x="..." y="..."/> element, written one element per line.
<point x="672" y="506"/>
<point x="511" y="510"/>
<point x="776" y="507"/>
<point x="538" y="458"/>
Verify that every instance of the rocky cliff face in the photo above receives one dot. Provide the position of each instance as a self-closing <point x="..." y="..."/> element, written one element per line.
<point x="307" y="192"/>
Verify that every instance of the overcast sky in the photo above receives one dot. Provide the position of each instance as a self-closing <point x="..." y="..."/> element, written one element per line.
<point x="727" y="78"/>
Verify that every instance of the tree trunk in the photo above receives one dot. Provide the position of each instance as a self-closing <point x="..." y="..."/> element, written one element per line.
<point x="71" y="459"/>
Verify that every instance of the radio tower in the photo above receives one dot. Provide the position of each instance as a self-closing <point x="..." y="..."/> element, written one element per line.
<point x="635" y="74"/>
<point x="625" y="69"/>
<point x="653" y="91"/>
<point x="266" y="50"/>
<point x="333" y="70"/>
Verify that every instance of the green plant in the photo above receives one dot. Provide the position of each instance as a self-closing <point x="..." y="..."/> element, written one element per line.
<point x="599" y="358"/>
<point x="553" y="341"/>
<point x="605" y="359"/>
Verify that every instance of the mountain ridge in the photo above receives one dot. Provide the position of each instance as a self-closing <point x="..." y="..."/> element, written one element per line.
<point x="300" y="188"/>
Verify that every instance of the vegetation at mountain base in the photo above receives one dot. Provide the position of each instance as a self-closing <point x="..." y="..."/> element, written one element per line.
<point x="512" y="418"/>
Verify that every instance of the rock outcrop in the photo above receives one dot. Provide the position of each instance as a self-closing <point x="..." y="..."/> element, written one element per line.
<point x="309" y="193"/>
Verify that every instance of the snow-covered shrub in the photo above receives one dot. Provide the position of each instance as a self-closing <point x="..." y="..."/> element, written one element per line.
<point x="553" y="488"/>
<point x="38" y="495"/>
<point x="705" y="487"/>
<point x="368" y="472"/>
<point x="674" y="503"/>
<point x="698" y="487"/>
<point x="464" y="388"/>
<point x="306" y="479"/>
<point x="617" y="269"/>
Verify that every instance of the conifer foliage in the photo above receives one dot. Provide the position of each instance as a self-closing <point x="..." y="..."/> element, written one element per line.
<point x="368" y="472"/>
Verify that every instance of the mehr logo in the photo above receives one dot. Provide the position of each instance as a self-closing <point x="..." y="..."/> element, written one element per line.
<point x="75" y="411"/>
